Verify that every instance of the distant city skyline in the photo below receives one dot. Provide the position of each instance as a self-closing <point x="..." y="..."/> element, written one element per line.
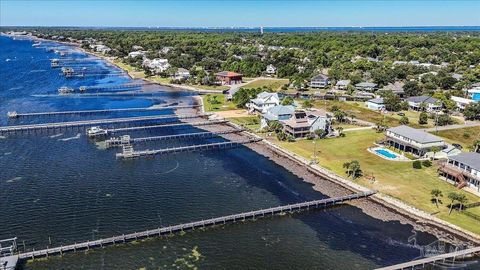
<point x="241" y="13"/>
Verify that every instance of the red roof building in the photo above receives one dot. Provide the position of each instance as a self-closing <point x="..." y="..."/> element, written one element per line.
<point x="229" y="77"/>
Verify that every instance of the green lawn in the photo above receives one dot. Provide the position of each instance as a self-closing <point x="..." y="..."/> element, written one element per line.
<point x="210" y="87"/>
<point x="359" y="111"/>
<point x="397" y="179"/>
<point x="222" y="104"/>
<point x="274" y="84"/>
<point x="132" y="71"/>
<point x="250" y="122"/>
<point x="462" y="136"/>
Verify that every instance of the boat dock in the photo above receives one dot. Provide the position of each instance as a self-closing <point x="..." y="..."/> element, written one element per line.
<point x="115" y="87"/>
<point x="170" y="230"/>
<point x="446" y="260"/>
<point x="129" y="153"/>
<point x="195" y="124"/>
<point x="17" y="115"/>
<point x="114" y="142"/>
<point x="86" y="123"/>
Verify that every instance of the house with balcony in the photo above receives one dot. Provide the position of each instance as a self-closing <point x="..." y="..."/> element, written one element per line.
<point x="411" y="140"/>
<point x="366" y="86"/>
<point x="302" y="123"/>
<point x="419" y="103"/>
<point x="271" y="70"/>
<point x="462" y="170"/>
<point x="229" y="78"/>
<point x="276" y="113"/>
<point x="319" y="81"/>
<point x="263" y="102"/>
<point x="396" y="88"/>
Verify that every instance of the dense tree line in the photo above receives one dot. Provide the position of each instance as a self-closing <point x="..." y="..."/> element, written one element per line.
<point x="357" y="56"/>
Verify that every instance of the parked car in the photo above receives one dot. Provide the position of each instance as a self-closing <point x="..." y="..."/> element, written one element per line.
<point x="458" y="146"/>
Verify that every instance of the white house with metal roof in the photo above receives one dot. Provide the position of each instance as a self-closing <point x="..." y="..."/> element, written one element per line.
<point x="463" y="169"/>
<point x="415" y="141"/>
<point x="319" y="81"/>
<point x="263" y="101"/>
<point x="376" y="104"/>
<point x="342" y="84"/>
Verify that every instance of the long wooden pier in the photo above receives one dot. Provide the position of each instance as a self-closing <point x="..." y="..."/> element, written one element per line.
<point x="129" y="153"/>
<point x="441" y="260"/>
<point x="229" y="219"/>
<point x="203" y="123"/>
<point x="117" y="86"/>
<point x="99" y="122"/>
<point x="114" y="142"/>
<point x="155" y="108"/>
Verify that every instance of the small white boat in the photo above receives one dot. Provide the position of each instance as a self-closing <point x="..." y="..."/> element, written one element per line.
<point x="65" y="90"/>
<point x="96" y="132"/>
<point x="13" y="114"/>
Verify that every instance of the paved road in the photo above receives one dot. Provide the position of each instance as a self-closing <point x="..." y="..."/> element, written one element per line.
<point x="468" y="124"/>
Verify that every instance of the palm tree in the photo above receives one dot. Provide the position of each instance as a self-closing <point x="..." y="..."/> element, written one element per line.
<point x="476" y="146"/>
<point x="453" y="197"/>
<point x="436" y="194"/>
<point x="435" y="149"/>
<point x="462" y="199"/>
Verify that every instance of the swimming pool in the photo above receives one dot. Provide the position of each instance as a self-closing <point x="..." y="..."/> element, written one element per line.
<point x="386" y="153"/>
<point x="476" y="96"/>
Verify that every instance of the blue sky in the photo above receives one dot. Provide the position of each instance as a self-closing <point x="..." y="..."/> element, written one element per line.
<point x="226" y="13"/>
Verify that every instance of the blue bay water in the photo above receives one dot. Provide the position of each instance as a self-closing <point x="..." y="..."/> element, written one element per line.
<point x="59" y="188"/>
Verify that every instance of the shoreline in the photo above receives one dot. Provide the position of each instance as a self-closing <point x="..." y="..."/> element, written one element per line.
<point x="331" y="184"/>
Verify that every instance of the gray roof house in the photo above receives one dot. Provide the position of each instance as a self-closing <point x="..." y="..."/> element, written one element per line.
<point x="464" y="170"/>
<point x="342" y="84"/>
<point x="396" y="88"/>
<point x="277" y="113"/>
<point x="415" y="141"/>
<point x="319" y="81"/>
<point x="366" y="86"/>
<point x="431" y="104"/>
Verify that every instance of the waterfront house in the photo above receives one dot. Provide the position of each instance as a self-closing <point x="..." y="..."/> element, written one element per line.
<point x="229" y="77"/>
<point x="302" y="123"/>
<point x="263" y="101"/>
<point x="396" y="88"/>
<point x="342" y="84"/>
<point x="276" y="113"/>
<point x="463" y="170"/>
<point x="427" y="103"/>
<point x="461" y="102"/>
<point x="156" y="65"/>
<point x="271" y="70"/>
<point x="415" y="141"/>
<point x="376" y="104"/>
<point x="366" y="86"/>
<point x="319" y="81"/>
<point x="182" y="74"/>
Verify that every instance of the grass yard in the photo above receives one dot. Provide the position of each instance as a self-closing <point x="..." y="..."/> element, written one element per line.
<point x="274" y="84"/>
<point x="462" y="136"/>
<point x="222" y="104"/>
<point x="132" y="71"/>
<point x="397" y="179"/>
<point x="210" y="87"/>
<point x="359" y="111"/>
<point x="250" y="122"/>
<point x="413" y="117"/>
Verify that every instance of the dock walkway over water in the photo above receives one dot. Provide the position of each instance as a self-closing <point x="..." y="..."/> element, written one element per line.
<point x="309" y="205"/>
<point x="440" y="260"/>
<point x="99" y="122"/>
<point x="128" y="152"/>
<point x="113" y="142"/>
<point x="195" y="124"/>
<point x="153" y="108"/>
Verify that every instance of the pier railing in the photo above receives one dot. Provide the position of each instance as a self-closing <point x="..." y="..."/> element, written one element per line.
<point x="203" y="123"/>
<point x="158" y="232"/>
